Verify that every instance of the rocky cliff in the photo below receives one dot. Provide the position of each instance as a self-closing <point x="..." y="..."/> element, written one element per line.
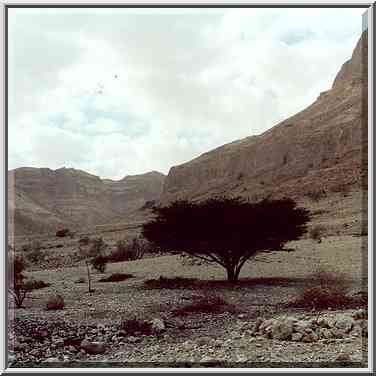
<point x="322" y="148"/>
<point x="41" y="199"/>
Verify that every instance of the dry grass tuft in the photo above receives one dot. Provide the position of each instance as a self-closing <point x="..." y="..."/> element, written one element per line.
<point x="170" y="283"/>
<point x="211" y="304"/>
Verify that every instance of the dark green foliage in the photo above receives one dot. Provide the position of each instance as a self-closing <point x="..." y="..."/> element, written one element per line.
<point x="99" y="263"/>
<point x="116" y="277"/>
<point x="227" y="231"/>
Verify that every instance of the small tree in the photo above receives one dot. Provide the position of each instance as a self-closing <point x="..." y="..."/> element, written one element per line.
<point x="226" y="231"/>
<point x="16" y="279"/>
<point x="93" y="250"/>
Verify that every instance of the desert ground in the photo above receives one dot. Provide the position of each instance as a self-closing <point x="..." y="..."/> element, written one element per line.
<point x="254" y="324"/>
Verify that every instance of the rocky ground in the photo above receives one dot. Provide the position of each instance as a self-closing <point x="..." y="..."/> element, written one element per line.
<point x="334" y="339"/>
<point x="88" y="331"/>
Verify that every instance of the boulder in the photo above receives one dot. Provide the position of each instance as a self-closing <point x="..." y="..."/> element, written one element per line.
<point x="157" y="325"/>
<point x="282" y="330"/>
<point x="345" y="323"/>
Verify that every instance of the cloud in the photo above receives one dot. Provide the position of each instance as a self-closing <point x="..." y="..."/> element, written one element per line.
<point x="126" y="91"/>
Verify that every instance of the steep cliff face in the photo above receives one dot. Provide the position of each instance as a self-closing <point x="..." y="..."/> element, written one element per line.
<point x="41" y="199"/>
<point x="321" y="148"/>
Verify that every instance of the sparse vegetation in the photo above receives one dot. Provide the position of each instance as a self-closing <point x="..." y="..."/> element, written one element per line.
<point x="316" y="233"/>
<point x="97" y="248"/>
<point x="62" y="233"/>
<point x="226" y="231"/>
<point x="134" y="327"/>
<point x="116" y="277"/>
<point x="99" y="263"/>
<point x="327" y="290"/>
<point x="131" y="251"/>
<point x="170" y="283"/>
<point x="33" y="284"/>
<point x="316" y="196"/>
<point x="205" y="304"/>
<point x="16" y="278"/>
<point x="55" y="302"/>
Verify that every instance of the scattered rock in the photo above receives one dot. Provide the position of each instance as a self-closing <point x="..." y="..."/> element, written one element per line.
<point x="282" y="330"/>
<point x="158" y="325"/>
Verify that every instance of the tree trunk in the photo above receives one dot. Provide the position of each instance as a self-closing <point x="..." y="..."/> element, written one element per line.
<point x="88" y="276"/>
<point x="232" y="275"/>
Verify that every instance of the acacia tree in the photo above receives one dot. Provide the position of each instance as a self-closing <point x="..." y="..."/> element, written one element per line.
<point x="226" y="231"/>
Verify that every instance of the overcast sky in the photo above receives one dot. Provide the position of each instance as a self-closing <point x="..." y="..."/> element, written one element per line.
<point x="117" y="92"/>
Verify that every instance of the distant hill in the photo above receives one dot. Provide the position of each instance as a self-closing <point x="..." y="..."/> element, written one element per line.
<point x="42" y="200"/>
<point x="321" y="149"/>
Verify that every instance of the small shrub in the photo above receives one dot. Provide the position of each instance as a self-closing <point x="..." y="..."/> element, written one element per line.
<point x="116" y="277"/>
<point x="55" y="302"/>
<point x="326" y="291"/>
<point x="316" y="233"/>
<point x="62" y="233"/>
<point x="135" y="327"/>
<point x="134" y="250"/>
<point x="35" y="285"/>
<point x="97" y="247"/>
<point x="316" y="195"/>
<point x="205" y="304"/>
<point x="99" y="263"/>
<point x="16" y="267"/>
<point x="170" y="283"/>
<point x="35" y="256"/>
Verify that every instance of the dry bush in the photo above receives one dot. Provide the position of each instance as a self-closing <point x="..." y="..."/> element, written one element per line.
<point x="16" y="278"/>
<point x="210" y="304"/>
<point x="116" y="277"/>
<point x="170" y="283"/>
<point x="326" y="290"/>
<point x="131" y="251"/>
<point x="316" y="233"/>
<point x="316" y="196"/>
<point x="55" y="302"/>
<point x="99" y="263"/>
<point x="62" y="233"/>
<point x="33" y="284"/>
<point x="135" y="327"/>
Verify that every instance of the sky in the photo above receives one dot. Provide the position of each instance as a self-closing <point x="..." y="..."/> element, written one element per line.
<point x="118" y="92"/>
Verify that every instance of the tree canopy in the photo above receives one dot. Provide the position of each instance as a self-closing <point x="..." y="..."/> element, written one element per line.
<point x="227" y="231"/>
